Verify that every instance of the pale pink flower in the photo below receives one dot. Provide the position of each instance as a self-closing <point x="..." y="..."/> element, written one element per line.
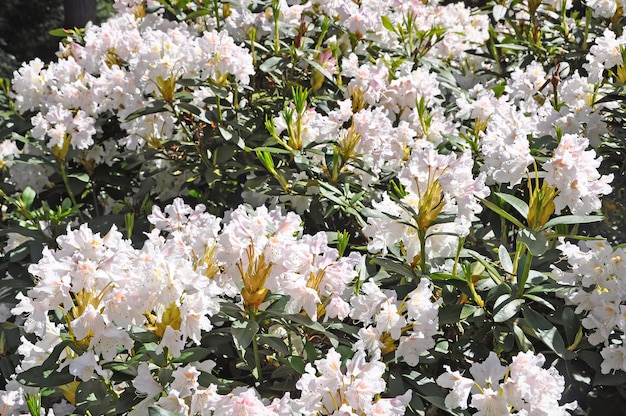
<point x="490" y="403"/>
<point x="86" y="366"/>
<point x="489" y="372"/>
<point x="185" y="380"/>
<point x="145" y="383"/>
<point x="460" y="388"/>
<point x="173" y="402"/>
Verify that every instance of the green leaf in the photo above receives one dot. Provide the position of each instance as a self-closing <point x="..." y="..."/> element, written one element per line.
<point x="227" y="135"/>
<point x="243" y="332"/>
<point x="387" y="24"/>
<point x="486" y="263"/>
<point x="268" y="149"/>
<point x="144" y="336"/>
<point x="539" y="299"/>
<point x="615" y="379"/>
<point x="198" y="13"/>
<point x="572" y="219"/>
<point x="157" y="411"/>
<point x="28" y="196"/>
<point x="275" y="343"/>
<point x="451" y="314"/>
<point x="519" y="205"/>
<point x="512" y="46"/>
<point x="522" y="341"/>
<point x="156" y="106"/>
<point x="61" y="33"/>
<point x="271" y="64"/>
<point x="501" y="212"/>
<point x="297" y="364"/>
<point x="542" y="329"/>
<point x="46" y="378"/>
<point x="190" y="355"/>
<point x="190" y="108"/>
<point x="396" y="267"/>
<point x="83" y="177"/>
<point x="505" y="259"/>
<point x="330" y="192"/>
<point x="304" y="320"/>
<point x="507" y="309"/>
<point x="445" y="276"/>
<point x="536" y="241"/>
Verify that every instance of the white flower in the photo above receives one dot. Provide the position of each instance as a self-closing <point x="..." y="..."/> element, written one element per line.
<point x="606" y="53"/>
<point x="173" y="402"/>
<point x="489" y="372"/>
<point x="185" y="380"/>
<point x="602" y="8"/>
<point x="505" y="146"/>
<point x="459" y="386"/>
<point x="574" y="171"/>
<point x="388" y="320"/>
<point x="489" y="403"/>
<point x="144" y="381"/>
<point x="86" y="366"/>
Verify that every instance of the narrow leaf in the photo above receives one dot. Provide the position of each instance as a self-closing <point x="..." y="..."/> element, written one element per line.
<point x="501" y="212"/>
<point x="190" y="355"/>
<point x="387" y="24"/>
<point x="545" y="331"/>
<point x="505" y="259"/>
<point x="572" y="219"/>
<point x="519" y="205"/>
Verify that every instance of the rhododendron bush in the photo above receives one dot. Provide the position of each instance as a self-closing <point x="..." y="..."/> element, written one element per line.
<point x="317" y="208"/>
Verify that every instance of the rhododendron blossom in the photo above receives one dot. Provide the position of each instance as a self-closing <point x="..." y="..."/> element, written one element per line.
<point x="523" y="387"/>
<point x="598" y="289"/>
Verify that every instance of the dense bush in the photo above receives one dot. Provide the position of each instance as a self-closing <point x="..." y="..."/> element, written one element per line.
<point x="320" y="208"/>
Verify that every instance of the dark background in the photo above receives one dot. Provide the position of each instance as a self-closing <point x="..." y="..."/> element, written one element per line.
<point x="25" y="27"/>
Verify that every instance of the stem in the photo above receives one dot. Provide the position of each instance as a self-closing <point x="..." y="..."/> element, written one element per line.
<point x="586" y="36"/>
<point x="217" y="15"/>
<point x="298" y="141"/>
<point x="503" y="231"/>
<point x="70" y="193"/>
<point x="458" y="255"/>
<point x="276" y="16"/>
<point x="518" y="255"/>
<point x="477" y="298"/>
<point x="219" y="108"/>
<point x="95" y="199"/>
<point x="422" y="236"/>
<point x="252" y="34"/>
<point x="257" y="357"/>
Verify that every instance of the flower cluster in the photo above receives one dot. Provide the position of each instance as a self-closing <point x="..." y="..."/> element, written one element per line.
<point x="253" y="257"/>
<point x="597" y="286"/>
<point x="573" y="170"/>
<point x="411" y="322"/>
<point x="128" y="63"/>
<point x="328" y="390"/>
<point x="522" y="388"/>
<point x="434" y="185"/>
<point x="106" y="290"/>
